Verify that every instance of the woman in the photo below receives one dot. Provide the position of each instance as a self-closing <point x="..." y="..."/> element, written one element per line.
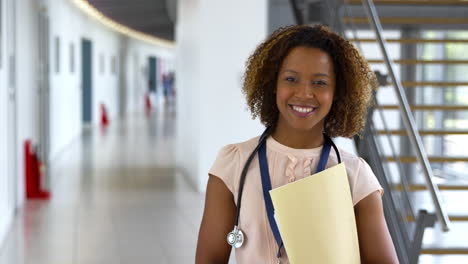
<point x="306" y="84"/>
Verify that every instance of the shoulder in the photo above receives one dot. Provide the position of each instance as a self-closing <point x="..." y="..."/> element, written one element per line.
<point x="240" y="149"/>
<point x="362" y="179"/>
<point x="229" y="161"/>
<point x="356" y="167"/>
<point x="353" y="162"/>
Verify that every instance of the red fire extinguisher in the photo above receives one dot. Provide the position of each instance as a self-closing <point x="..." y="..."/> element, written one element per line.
<point x="148" y="105"/>
<point x="33" y="173"/>
<point x="104" y="116"/>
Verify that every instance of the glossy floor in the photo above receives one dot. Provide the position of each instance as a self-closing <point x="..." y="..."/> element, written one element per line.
<point x="117" y="198"/>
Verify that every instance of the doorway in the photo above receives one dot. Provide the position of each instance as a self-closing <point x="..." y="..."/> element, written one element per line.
<point x="87" y="80"/>
<point x="15" y="198"/>
<point x="44" y="91"/>
<point x="152" y="74"/>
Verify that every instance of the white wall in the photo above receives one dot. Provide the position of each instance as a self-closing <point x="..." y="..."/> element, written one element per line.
<point x="26" y="83"/>
<point x="5" y="206"/>
<point x="212" y="47"/>
<point x="70" y="25"/>
<point x="23" y="79"/>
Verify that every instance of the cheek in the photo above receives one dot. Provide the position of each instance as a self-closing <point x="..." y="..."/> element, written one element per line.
<point x="328" y="97"/>
<point x="282" y="94"/>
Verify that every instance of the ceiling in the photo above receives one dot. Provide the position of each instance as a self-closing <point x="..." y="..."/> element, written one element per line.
<point x="153" y="17"/>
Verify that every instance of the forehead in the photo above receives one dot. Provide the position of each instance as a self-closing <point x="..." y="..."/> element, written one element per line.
<point x="307" y="59"/>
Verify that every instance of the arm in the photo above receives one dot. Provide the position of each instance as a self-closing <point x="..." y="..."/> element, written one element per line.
<point x="217" y="222"/>
<point x="375" y="242"/>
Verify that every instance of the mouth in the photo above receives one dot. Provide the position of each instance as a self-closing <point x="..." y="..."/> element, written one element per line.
<point x="302" y="111"/>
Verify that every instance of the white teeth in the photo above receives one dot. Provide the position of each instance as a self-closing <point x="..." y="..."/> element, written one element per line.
<point x="302" y="109"/>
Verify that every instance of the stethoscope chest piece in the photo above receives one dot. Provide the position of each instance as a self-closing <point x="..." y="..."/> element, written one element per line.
<point x="235" y="238"/>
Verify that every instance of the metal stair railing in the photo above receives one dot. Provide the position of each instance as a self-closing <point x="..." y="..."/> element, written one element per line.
<point x="408" y="249"/>
<point x="408" y="118"/>
<point x="370" y="132"/>
<point x="368" y="149"/>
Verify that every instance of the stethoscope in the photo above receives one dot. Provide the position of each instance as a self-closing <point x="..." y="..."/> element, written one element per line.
<point x="236" y="237"/>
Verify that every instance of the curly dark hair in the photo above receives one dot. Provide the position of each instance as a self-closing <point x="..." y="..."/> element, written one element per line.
<point x="354" y="78"/>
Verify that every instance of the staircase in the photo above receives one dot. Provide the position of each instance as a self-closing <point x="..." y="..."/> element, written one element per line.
<point x="428" y="41"/>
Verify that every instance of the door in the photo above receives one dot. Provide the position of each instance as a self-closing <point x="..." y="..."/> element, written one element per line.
<point x="44" y="94"/>
<point x="14" y="197"/>
<point x="4" y="125"/>
<point x="152" y="74"/>
<point x="87" y="80"/>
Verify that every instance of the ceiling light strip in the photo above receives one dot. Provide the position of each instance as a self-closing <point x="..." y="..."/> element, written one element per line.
<point x="91" y="11"/>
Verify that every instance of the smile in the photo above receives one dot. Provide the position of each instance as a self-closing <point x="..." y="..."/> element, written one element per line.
<point x="302" y="111"/>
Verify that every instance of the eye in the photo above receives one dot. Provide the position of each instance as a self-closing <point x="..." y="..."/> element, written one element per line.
<point x="319" y="82"/>
<point x="290" y="79"/>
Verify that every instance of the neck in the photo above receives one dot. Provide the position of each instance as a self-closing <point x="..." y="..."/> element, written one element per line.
<point x="299" y="139"/>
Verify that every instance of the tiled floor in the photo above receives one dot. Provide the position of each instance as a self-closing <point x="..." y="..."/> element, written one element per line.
<point x="117" y="198"/>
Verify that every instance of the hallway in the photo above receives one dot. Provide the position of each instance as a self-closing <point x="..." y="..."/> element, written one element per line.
<point x="116" y="198"/>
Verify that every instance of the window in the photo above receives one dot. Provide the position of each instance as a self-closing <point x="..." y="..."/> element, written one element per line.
<point x="446" y="145"/>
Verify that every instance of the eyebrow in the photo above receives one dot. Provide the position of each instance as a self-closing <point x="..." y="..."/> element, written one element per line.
<point x="318" y="74"/>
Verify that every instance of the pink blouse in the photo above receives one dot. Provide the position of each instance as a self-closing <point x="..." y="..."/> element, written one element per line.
<point x="285" y="165"/>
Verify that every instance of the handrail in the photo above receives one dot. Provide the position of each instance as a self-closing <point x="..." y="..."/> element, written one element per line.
<point x="390" y="142"/>
<point x="408" y="119"/>
<point x="404" y="179"/>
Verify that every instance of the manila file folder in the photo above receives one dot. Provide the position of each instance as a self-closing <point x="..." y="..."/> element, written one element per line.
<point x="316" y="220"/>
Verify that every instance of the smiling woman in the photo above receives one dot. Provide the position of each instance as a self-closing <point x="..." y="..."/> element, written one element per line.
<point x="306" y="84"/>
<point x="305" y="87"/>
<point x="354" y="80"/>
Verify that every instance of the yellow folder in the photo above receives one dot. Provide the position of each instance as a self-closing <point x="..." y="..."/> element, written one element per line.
<point x="316" y="220"/>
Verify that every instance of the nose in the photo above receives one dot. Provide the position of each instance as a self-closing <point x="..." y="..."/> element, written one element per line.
<point x="304" y="90"/>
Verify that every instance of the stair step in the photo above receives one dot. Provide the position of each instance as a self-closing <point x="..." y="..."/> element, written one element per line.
<point x="437" y="242"/>
<point x="445" y="251"/>
<point x="411" y="20"/>
<point x="414" y="84"/>
<point x="443" y="259"/>
<point x="428" y="107"/>
<point x="425" y="132"/>
<point x="442" y="187"/>
<point x="411" y="40"/>
<point x="432" y="159"/>
<point x="411" y="61"/>
<point x="453" y="218"/>
<point x="412" y="2"/>
<point x="452" y="201"/>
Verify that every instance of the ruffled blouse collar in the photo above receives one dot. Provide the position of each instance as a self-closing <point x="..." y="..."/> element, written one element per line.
<point x="272" y="143"/>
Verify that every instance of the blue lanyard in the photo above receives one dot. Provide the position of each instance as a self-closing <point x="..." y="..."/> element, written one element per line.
<point x="266" y="183"/>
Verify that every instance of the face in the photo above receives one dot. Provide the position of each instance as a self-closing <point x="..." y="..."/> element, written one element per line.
<point x="304" y="90"/>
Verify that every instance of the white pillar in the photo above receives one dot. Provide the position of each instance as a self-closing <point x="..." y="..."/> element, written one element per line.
<point x="213" y="41"/>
